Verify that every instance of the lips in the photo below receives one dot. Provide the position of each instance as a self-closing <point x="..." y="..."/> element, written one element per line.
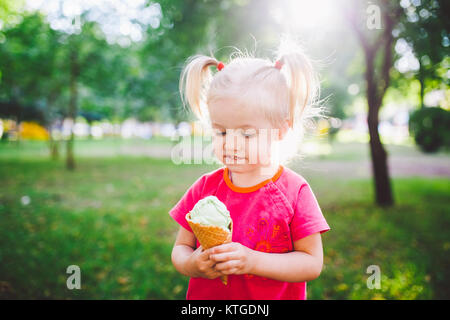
<point x="233" y="158"/>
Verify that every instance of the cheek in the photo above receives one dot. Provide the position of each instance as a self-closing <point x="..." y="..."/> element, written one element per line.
<point x="265" y="150"/>
<point x="251" y="146"/>
<point x="258" y="150"/>
<point x="218" y="146"/>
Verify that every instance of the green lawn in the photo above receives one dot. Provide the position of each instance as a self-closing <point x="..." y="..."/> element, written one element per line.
<point x="110" y="218"/>
<point x="107" y="147"/>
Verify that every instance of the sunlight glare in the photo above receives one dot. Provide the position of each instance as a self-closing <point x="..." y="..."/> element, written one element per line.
<point x="118" y="19"/>
<point x="299" y="14"/>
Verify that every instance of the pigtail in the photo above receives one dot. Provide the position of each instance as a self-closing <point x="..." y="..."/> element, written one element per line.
<point x="303" y="83"/>
<point x="194" y="83"/>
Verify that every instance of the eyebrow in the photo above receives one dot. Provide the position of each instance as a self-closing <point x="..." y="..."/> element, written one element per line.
<point x="243" y="126"/>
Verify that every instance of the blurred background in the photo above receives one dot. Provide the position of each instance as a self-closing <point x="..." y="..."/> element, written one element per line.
<point x="92" y="125"/>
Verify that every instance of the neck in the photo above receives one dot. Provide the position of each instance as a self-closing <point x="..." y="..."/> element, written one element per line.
<point x="251" y="178"/>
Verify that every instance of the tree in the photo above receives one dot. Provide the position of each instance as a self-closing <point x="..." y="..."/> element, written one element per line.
<point x="27" y="58"/>
<point x="426" y="30"/>
<point x="378" y="54"/>
<point x="184" y="32"/>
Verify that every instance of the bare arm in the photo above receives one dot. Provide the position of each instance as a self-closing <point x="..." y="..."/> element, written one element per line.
<point x="182" y="250"/>
<point x="303" y="264"/>
<point x="190" y="261"/>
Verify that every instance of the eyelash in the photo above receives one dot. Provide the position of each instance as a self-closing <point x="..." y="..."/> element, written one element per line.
<point x="247" y="136"/>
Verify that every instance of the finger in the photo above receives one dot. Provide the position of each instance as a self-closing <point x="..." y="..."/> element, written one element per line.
<point x="214" y="272"/>
<point x="207" y="264"/>
<point x="230" y="271"/>
<point x="217" y="273"/>
<point x="204" y="256"/>
<point x="222" y="248"/>
<point x="225" y="256"/>
<point x="223" y="266"/>
<point x="211" y="264"/>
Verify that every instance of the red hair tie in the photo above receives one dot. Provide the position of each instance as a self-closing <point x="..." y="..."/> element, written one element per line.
<point x="220" y="65"/>
<point x="279" y="64"/>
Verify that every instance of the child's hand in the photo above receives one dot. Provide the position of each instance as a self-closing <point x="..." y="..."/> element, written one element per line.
<point x="231" y="258"/>
<point x="202" y="266"/>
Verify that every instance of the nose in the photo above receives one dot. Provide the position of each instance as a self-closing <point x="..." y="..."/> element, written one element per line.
<point x="233" y="143"/>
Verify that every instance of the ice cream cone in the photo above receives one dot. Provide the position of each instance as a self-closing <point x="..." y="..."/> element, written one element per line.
<point x="210" y="236"/>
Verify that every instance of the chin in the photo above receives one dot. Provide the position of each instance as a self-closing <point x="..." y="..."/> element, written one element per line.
<point x="245" y="167"/>
<point x="234" y="165"/>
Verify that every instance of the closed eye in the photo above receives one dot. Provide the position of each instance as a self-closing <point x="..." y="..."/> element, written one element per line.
<point x="220" y="133"/>
<point x="246" y="134"/>
<point x="249" y="133"/>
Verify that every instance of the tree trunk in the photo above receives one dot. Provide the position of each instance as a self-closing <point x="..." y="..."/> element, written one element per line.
<point x="422" y="86"/>
<point x="376" y="86"/>
<point x="383" y="190"/>
<point x="53" y="145"/>
<point x="74" y="72"/>
<point x="90" y="136"/>
<point x="55" y="150"/>
<point x="70" y="162"/>
<point x="17" y="129"/>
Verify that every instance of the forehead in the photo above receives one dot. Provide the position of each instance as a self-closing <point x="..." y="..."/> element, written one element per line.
<point x="230" y="114"/>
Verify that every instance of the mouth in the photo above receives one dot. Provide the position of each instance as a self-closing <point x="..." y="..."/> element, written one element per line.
<point x="233" y="158"/>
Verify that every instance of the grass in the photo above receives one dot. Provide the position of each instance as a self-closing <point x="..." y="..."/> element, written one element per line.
<point x="110" y="218"/>
<point x="409" y="242"/>
<point x="83" y="147"/>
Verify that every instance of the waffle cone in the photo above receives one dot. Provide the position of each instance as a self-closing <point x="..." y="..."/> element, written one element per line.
<point x="210" y="236"/>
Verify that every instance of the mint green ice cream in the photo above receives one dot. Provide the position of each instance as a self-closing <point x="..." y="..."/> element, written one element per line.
<point x="211" y="211"/>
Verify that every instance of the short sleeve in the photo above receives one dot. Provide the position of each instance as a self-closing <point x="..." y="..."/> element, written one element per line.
<point x="187" y="202"/>
<point x="308" y="218"/>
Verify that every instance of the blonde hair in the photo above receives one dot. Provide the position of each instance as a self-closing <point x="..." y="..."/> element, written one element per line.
<point x="287" y="93"/>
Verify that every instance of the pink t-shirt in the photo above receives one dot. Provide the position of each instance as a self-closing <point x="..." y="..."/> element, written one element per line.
<point x="267" y="217"/>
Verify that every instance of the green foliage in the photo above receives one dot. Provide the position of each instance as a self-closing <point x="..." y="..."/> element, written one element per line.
<point x="141" y="80"/>
<point x="9" y="9"/>
<point x="430" y="128"/>
<point x="24" y="59"/>
<point x="425" y="28"/>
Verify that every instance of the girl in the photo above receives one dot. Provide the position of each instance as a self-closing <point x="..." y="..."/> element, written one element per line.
<point x="252" y="105"/>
